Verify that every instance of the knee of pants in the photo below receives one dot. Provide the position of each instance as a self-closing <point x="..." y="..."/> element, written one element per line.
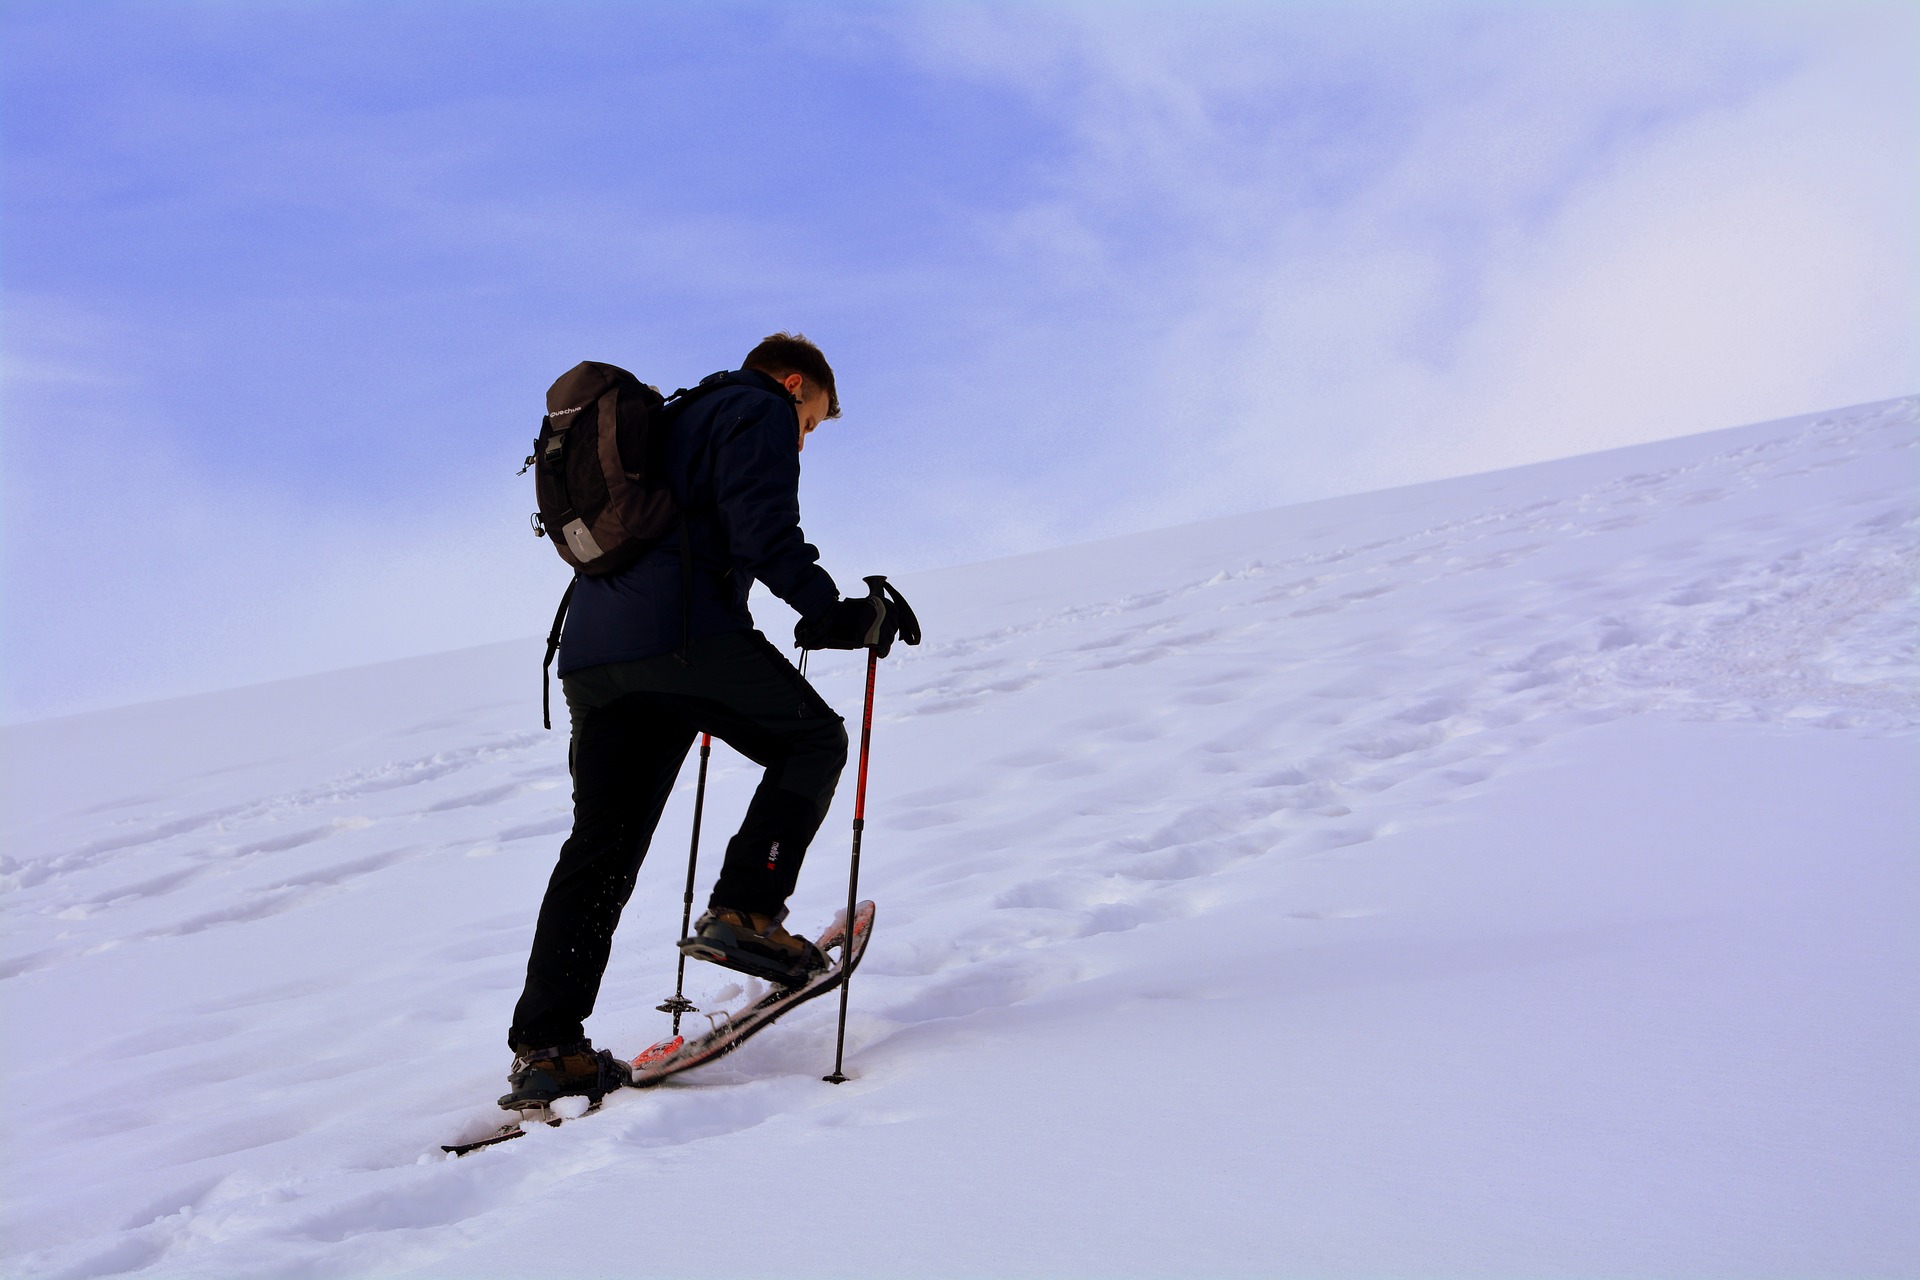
<point x="833" y="752"/>
<point x="813" y="767"/>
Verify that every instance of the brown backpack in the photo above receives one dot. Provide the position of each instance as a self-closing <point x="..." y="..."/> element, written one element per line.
<point x="596" y="469"/>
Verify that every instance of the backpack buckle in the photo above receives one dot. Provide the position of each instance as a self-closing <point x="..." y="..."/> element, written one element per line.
<point x="534" y="520"/>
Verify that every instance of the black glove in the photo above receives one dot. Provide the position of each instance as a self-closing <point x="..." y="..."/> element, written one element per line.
<point x="859" y="623"/>
<point x="864" y="622"/>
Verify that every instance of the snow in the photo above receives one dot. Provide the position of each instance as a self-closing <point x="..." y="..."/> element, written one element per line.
<point x="1511" y="875"/>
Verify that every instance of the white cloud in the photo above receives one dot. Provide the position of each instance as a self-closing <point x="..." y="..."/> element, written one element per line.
<point x="1394" y="247"/>
<point x="132" y="574"/>
<point x="1754" y="262"/>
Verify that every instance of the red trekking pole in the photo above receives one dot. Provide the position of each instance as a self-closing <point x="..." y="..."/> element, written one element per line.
<point x="853" y="872"/>
<point x="909" y="631"/>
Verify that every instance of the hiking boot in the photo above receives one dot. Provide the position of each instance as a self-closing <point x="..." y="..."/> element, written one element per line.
<point x="753" y="944"/>
<point x="564" y="1071"/>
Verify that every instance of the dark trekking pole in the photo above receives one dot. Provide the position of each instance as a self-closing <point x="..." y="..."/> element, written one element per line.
<point x="678" y="1003"/>
<point x="908" y="627"/>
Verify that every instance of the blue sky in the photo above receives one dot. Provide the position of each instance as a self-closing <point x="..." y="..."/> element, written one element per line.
<point x="283" y="285"/>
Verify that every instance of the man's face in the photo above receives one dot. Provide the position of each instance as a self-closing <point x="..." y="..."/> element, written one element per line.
<point x="812" y="409"/>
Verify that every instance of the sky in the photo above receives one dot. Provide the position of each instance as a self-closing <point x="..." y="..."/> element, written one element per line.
<point x="282" y="285"/>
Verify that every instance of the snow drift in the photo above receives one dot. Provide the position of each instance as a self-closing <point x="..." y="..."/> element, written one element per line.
<point x="1512" y="875"/>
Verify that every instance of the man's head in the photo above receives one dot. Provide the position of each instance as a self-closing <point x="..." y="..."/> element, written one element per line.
<point x="797" y="365"/>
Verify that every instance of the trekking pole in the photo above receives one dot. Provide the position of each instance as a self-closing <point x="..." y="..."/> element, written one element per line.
<point x="678" y="1003"/>
<point x="853" y="873"/>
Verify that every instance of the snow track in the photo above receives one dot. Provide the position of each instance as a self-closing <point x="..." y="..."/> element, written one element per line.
<point x="1509" y="875"/>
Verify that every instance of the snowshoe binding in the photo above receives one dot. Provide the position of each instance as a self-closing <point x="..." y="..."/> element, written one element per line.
<point x="755" y="945"/>
<point x="563" y="1071"/>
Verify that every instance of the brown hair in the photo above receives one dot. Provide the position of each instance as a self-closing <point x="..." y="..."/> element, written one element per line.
<point x="780" y="354"/>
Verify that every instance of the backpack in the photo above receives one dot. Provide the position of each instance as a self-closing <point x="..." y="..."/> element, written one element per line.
<point x="596" y="469"/>
<point x="598" y="479"/>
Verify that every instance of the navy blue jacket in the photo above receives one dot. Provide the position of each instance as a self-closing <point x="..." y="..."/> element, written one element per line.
<point x="733" y="463"/>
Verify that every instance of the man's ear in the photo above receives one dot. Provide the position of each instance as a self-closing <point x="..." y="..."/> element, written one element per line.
<point x="794" y="383"/>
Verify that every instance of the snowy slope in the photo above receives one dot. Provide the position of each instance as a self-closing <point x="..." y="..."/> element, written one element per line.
<point x="1506" y="876"/>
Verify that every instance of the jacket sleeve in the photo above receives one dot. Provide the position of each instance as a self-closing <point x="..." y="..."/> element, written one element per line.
<point x="756" y="484"/>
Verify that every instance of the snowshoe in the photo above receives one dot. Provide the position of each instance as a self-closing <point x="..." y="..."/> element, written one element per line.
<point x="564" y="1071"/>
<point x="669" y="1058"/>
<point x="755" y="945"/>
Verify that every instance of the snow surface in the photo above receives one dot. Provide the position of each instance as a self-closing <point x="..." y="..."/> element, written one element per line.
<point x="1508" y="876"/>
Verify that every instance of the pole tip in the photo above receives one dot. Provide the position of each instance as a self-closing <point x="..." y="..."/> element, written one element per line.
<point x="835" y="1078"/>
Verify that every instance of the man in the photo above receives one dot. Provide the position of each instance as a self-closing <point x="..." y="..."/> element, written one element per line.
<point x="653" y="655"/>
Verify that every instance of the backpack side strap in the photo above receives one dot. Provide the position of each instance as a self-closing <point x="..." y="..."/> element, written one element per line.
<point x="553" y="646"/>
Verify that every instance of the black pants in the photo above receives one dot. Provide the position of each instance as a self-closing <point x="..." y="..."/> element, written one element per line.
<point x="632" y="725"/>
